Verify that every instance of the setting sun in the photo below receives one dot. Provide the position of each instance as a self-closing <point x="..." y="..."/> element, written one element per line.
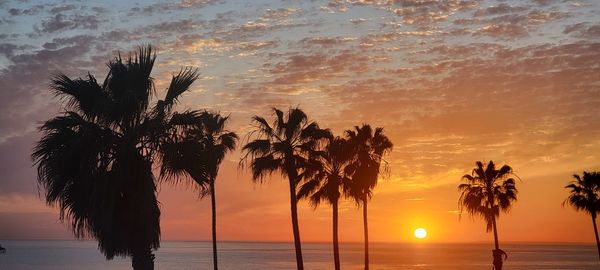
<point x="420" y="233"/>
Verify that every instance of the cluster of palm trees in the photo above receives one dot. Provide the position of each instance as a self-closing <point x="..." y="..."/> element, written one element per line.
<point x="318" y="165"/>
<point x="95" y="161"/>
<point x="487" y="191"/>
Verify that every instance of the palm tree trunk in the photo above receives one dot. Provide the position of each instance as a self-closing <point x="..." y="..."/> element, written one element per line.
<point x="214" y="222"/>
<point x="336" y="247"/>
<point x="496" y="253"/>
<point x="496" y="244"/>
<point x="295" y="228"/>
<point x="366" y="229"/>
<point x="142" y="259"/>
<point x="596" y="232"/>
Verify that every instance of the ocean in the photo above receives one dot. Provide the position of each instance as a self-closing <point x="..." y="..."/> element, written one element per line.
<point x="77" y="255"/>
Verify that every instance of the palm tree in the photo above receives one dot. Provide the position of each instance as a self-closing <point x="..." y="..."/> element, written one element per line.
<point x="283" y="146"/>
<point x="326" y="178"/>
<point x="370" y="148"/>
<point x="585" y="196"/>
<point x="199" y="151"/>
<point x="488" y="191"/>
<point x="95" y="160"/>
<point x="217" y="142"/>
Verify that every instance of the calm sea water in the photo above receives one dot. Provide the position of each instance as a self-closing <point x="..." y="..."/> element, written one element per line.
<point x="62" y="255"/>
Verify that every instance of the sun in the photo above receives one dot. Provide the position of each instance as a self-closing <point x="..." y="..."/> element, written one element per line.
<point x="420" y="233"/>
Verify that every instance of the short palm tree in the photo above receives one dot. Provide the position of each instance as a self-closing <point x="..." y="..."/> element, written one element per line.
<point x="370" y="147"/>
<point x="326" y="179"/>
<point x="95" y="160"/>
<point x="485" y="193"/>
<point x="585" y="196"/>
<point x="284" y="146"/>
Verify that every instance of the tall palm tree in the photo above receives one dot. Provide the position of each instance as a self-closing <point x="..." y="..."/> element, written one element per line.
<point x="370" y="149"/>
<point x="488" y="191"/>
<point x="95" y="160"/>
<point x="283" y="146"/>
<point x="198" y="151"/>
<point x="217" y="142"/>
<point x="585" y="196"/>
<point x="326" y="177"/>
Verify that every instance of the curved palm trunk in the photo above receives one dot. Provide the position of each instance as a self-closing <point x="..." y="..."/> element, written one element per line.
<point x="596" y="232"/>
<point x="336" y="246"/>
<point x="142" y="259"/>
<point x="497" y="252"/>
<point x="214" y="222"/>
<point x="295" y="227"/>
<point x="366" y="229"/>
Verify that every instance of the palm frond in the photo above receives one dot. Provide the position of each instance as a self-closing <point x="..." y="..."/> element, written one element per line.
<point x="263" y="166"/>
<point x="180" y="83"/>
<point x="130" y="86"/>
<point x="585" y="193"/>
<point x="487" y="191"/>
<point x="85" y="96"/>
<point x="295" y="122"/>
<point x="258" y="147"/>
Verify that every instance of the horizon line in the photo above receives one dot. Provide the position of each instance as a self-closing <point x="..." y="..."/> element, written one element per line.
<point x="323" y="242"/>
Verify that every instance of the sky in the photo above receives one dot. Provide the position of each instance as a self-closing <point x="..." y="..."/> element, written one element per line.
<point x="450" y="81"/>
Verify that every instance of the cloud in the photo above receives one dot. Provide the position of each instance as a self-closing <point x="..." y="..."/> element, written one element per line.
<point x="61" y="22"/>
<point x="425" y="14"/>
<point x="280" y="13"/>
<point x="63" y="8"/>
<point x="196" y="43"/>
<point x="248" y="48"/>
<point x="170" y="27"/>
<point x="583" y="30"/>
<point x="415" y="199"/>
<point x="358" y="21"/>
<point x="9" y="49"/>
<point x="161" y="8"/>
<point x="542" y="17"/>
<point x="35" y="10"/>
<point x="441" y="105"/>
<point x="24" y="84"/>
<point x="502" y="8"/>
<point x="315" y="67"/>
<point x="502" y="31"/>
<point x="325" y="41"/>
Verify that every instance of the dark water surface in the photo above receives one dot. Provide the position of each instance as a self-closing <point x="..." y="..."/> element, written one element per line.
<point x="59" y="255"/>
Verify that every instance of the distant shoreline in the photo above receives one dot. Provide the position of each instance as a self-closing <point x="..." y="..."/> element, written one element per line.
<point x="344" y="243"/>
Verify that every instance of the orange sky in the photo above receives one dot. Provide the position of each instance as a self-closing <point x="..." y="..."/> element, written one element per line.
<point x="451" y="82"/>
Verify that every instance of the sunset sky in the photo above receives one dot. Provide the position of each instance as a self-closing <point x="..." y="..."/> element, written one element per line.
<point x="451" y="82"/>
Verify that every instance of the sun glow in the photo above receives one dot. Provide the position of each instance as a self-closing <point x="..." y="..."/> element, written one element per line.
<point x="420" y="233"/>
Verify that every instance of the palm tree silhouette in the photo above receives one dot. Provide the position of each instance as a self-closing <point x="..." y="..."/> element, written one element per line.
<point x="326" y="178"/>
<point x="198" y="151"/>
<point x="95" y="160"/>
<point x="217" y="142"/>
<point x="488" y="191"/>
<point x="585" y="196"/>
<point x="283" y="146"/>
<point x="370" y="148"/>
